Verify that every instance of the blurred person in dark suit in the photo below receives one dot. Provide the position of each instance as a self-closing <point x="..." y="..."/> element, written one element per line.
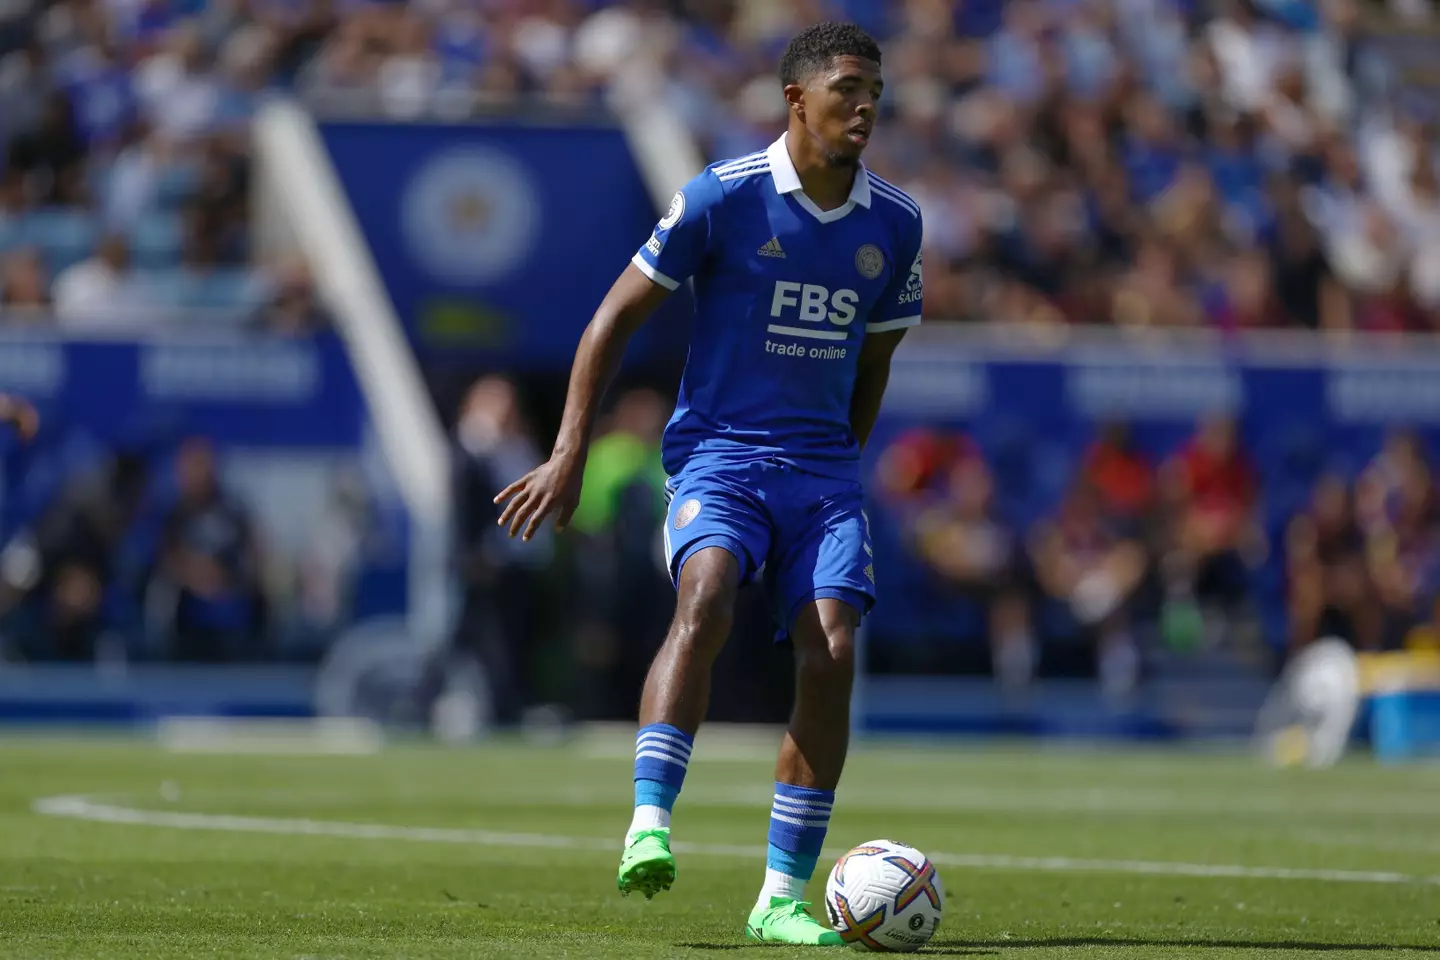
<point x="57" y="572"/>
<point x="1330" y="588"/>
<point x="500" y="577"/>
<point x="210" y="564"/>
<point x="621" y="582"/>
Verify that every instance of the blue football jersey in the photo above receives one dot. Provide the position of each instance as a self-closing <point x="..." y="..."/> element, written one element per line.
<point x="785" y="294"/>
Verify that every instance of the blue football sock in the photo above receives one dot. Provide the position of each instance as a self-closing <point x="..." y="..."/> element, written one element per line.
<point x="799" y="817"/>
<point x="662" y="754"/>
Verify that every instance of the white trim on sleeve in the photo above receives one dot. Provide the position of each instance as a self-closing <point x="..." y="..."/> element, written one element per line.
<point x="656" y="275"/>
<point x="899" y="323"/>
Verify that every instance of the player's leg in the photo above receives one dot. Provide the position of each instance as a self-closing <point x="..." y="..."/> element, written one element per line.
<point x="822" y="582"/>
<point x="726" y="528"/>
<point x="677" y="690"/>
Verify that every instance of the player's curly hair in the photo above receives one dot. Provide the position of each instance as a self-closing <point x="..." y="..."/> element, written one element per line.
<point x="813" y="48"/>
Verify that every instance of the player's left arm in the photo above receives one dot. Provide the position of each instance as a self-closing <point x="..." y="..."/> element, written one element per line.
<point x="870" y="381"/>
<point x="898" y="310"/>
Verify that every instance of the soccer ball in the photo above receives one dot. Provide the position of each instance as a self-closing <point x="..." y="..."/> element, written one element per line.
<point x="884" y="896"/>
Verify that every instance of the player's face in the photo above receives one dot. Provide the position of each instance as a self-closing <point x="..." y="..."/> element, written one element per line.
<point x="839" y="107"/>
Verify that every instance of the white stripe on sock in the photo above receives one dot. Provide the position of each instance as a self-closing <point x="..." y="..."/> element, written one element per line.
<point x="683" y="762"/>
<point x="795" y="821"/>
<point x="789" y="804"/>
<point x="663" y="747"/>
<point x="664" y="739"/>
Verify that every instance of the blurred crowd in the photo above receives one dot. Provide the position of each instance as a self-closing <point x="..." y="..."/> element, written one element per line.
<point x="161" y="547"/>
<point x="1229" y="164"/>
<point x="1219" y="164"/>
<point x="1145" y="551"/>
<point x="124" y="173"/>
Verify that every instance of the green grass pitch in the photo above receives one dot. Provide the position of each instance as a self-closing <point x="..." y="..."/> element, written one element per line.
<point x="118" y="849"/>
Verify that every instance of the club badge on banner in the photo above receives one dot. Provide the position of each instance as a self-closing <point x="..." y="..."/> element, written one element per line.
<point x="496" y="242"/>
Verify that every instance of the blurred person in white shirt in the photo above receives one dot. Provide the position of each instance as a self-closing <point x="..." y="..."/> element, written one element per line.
<point x="98" y="291"/>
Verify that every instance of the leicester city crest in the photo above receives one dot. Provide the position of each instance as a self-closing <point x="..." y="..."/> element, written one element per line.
<point x="688" y="511"/>
<point x="470" y="215"/>
<point x="869" y="261"/>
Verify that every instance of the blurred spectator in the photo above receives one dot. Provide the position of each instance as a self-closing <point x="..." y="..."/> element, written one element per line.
<point x="24" y="285"/>
<point x="1401" y="462"/>
<point x="1403" y="547"/>
<point x="1120" y="474"/>
<point x="210" y="566"/>
<point x="1210" y="492"/>
<point x="916" y="466"/>
<point x="178" y="92"/>
<point x="58" y="572"/>
<point x="50" y="156"/>
<point x="500" y="577"/>
<point x="294" y="309"/>
<point x="1330" y="591"/>
<point x="1090" y="567"/>
<point x="621" y="578"/>
<point x="979" y="557"/>
<point x="97" y="292"/>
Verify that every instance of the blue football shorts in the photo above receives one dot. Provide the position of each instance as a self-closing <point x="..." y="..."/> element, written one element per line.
<point x="801" y="535"/>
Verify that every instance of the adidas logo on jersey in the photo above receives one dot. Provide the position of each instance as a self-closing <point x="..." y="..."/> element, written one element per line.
<point x="772" y="249"/>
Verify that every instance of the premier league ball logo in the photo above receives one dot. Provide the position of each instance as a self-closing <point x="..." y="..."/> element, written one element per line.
<point x="676" y="211"/>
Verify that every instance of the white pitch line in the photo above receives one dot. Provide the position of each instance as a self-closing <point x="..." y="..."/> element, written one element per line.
<point x="82" y="808"/>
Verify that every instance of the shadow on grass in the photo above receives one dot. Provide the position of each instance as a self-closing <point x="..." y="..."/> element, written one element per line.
<point x="1192" y="943"/>
<point x="939" y="950"/>
<point x="991" y="948"/>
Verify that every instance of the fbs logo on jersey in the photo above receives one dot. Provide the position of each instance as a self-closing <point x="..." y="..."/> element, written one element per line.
<point x="915" y="286"/>
<point x="688" y="511"/>
<point x="653" y="245"/>
<point x="813" y="303"/>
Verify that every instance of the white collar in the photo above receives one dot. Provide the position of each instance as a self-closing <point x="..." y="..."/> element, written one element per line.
<point x="782" y="171"/>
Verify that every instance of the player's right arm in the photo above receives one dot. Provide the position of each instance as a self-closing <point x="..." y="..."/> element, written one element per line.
<point x="18" y="413"/>
<point x="673" y="253"/>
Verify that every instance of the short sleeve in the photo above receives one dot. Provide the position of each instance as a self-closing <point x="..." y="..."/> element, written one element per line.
<point x="900" y="305"/>
<point x="681" y="239"/>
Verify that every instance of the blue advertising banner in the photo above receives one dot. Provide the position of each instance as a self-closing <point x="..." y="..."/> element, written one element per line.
<point x="239" y="391"/>
<point x="497" y="242"/>
<point x="1302" y="408"/>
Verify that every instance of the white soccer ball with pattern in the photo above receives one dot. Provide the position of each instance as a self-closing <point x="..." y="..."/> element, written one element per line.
<point x="884" y="896"/>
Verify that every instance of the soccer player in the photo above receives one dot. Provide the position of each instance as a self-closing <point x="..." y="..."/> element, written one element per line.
<point x="806" y="270"/>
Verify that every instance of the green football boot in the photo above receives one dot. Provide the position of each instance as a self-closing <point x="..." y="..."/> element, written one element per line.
<point x="785" y="921"/>
<point x="647" y="865"/>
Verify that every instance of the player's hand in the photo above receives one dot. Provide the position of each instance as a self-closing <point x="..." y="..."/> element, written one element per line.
<point x="18" y="412"/>
<point x="552" y="487"/>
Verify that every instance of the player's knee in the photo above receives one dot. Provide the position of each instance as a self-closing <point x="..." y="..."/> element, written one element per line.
<point x="825" y="644"/>
<point x="830" y="668"/>
<point x="705" y="606"/>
